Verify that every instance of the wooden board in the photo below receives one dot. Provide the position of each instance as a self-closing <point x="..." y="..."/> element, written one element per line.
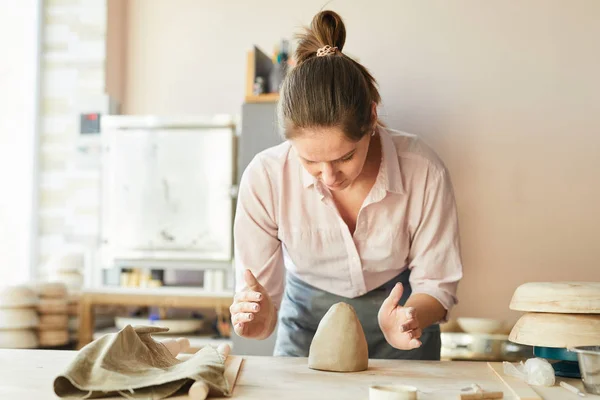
<point x="263" y="98"/>
<point x="28" y="374"/>
<point x="520" y="389"/>
<point x="290" y="378"/>
<point x="250" y="73"/>
<point x="233" y="364"/>
<point x="556" y="330"/>
<point x="557" y="297"/>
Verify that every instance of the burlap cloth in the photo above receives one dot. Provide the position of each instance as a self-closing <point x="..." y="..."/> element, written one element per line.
<point x="132" y="364"/>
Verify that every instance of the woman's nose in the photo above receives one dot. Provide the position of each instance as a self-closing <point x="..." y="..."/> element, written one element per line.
<point x="328" y="174"/>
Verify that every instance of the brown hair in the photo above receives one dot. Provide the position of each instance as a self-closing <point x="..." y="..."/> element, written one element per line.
<point x="327" y="91"/>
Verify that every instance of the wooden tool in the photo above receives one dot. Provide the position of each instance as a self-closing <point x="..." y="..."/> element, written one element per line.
<point x="572" y="389"/>
<point x="556" y="330"/>
<point x="558" y="297"/>
<point x="520" y="389"/>
<point x="478" y="393"/>
<point x="392" y="392"/>
<point x="177" y="346"/>
<point x="199" y="390"/>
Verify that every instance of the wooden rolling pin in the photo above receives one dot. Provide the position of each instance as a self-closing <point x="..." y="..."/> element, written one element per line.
<point x="199" y="390"/>
<point x="177" y="346"/>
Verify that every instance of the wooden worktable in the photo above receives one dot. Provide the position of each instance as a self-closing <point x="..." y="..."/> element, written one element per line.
<point x="28" y="374"/>
<point x="189" y="298"/>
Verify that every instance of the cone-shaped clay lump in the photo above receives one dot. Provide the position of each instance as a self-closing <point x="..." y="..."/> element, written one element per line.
<point x="339" y="343"/>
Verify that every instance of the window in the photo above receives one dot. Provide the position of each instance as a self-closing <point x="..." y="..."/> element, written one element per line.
<point x="19" y="65"/>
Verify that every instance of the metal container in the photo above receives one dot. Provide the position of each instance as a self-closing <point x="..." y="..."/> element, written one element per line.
<point x="589" y="364"/>
<point x="481" y="347"/>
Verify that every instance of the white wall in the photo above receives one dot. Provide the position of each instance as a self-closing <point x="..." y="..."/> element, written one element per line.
<point x="19" y="60"/>
<point x="511" y="89"/>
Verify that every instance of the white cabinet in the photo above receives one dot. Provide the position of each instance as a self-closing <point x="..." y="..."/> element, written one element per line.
<point x="166" y="191"/>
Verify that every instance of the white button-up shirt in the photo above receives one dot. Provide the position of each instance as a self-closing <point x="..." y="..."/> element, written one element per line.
<point x="287" y="219"/>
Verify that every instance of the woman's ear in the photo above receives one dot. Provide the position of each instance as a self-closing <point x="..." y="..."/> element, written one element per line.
<point x="374" y="114"/>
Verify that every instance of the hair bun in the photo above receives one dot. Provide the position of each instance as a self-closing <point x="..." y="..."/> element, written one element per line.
<point x="326" y="29"/>
<point x="329" y="29"/>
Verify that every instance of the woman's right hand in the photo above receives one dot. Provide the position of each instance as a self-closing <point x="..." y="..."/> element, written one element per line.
<point x="252" y="312"/>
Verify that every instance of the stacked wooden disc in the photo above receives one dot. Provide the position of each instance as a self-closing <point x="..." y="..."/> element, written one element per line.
<point x="73" y="313"/>
<point x="68" y="268"/>
<point x="558" y="314"/>
<point x="18" y="317"/>
<point x="54" y="320"/>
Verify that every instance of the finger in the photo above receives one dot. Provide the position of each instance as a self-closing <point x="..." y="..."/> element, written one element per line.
<point x="409" y="325"/>
<point x="414" y="344"/>
<point x="247" y="296"/>
<point x="252" y="282"/>
<point x="415" y="334"/>
<point x="239" y="329"/>
<point x="223" y="349"/>
<point x="391" y="302"/>
<point x="411" y="312"/>
<point x="244" y="307"/>
<point x="242" y="317"/>
<point x="239" y="318"/>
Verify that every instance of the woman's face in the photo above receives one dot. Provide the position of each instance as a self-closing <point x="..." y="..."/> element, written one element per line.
<point x="332" y="158"/>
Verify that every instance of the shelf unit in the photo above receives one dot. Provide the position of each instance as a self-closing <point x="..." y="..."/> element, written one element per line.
<point x="263" y="98"/>
<point x="180" y="297"/>
<point x="258" y="64"/>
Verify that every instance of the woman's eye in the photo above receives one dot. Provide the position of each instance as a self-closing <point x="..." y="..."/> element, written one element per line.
<point x="347" y="158"/>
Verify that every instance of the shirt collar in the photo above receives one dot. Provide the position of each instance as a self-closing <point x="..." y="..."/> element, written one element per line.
<point x="389" y="171"/>
<point x="307" y="179"/>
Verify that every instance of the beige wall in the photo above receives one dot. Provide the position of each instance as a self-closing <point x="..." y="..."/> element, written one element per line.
<point x="509" y="89"/>
<point x="116" y="49"/>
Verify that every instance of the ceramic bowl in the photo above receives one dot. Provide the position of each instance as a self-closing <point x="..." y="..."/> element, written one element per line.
<point x="481" y="325"/>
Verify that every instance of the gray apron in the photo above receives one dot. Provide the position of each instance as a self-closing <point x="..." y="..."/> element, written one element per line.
<point x="303" y="306"/>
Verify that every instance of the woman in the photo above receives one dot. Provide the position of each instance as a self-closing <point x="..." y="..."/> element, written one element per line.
<point x="352" y="210"/>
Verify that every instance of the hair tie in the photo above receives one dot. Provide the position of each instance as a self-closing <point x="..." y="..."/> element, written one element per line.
<point x="326" y="50"/>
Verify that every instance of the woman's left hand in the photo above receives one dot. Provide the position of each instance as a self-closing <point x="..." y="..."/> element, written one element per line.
<point x="399" y="324"/>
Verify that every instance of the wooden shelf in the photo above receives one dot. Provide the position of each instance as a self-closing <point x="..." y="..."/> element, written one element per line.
<point x="187" y="298"/>
<point x="182" y="291"/>
<point x="258" y="64"/>
<point x="263" y="98"/>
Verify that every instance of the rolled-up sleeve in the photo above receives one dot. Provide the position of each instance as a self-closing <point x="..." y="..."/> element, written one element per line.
<point x="256" y="242"/>
<point x="434" y="258"/>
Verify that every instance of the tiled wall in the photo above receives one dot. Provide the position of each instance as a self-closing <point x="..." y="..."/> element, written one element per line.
<point x="73" y="81"/>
